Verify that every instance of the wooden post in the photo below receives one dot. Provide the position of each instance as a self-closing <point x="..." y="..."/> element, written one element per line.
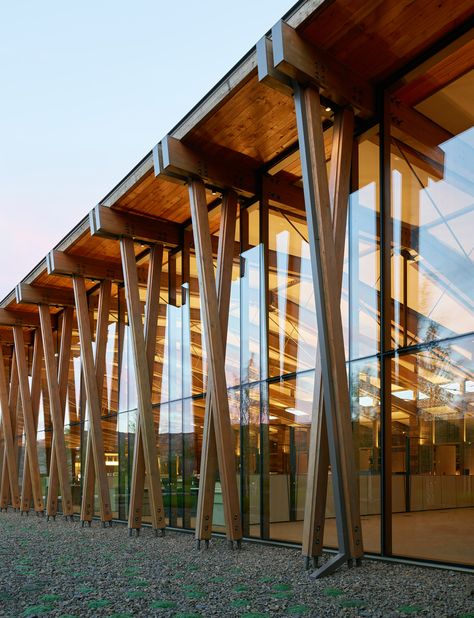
<point x="318" y="457"/>
<point x="55" y="409"/>
<point x="331" y="343"/>
<point x="152" y="308"/>
<point x="209" y="461"/>
<point x="63" y="375"/>
<point x="145" y="409"/>
<point x="12" y="407"/>
<point x="93" y="379"/>
<point x="26" y="487"/>
<point x="29" y="424"/>
<point x="216" y="359"/>
<point x="10" y="469"/>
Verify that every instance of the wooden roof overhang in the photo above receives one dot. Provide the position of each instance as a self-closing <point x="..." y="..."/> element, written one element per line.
<point x="244" y="129"/>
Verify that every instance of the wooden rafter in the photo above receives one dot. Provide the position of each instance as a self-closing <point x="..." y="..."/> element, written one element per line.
<point x="179" y="160"/>
<point x="301" y="60"/>
<point x="140" y="358"/>
<point x="94" y="373"/>
<point x="60" y="263"/>
<point x="38" y="295"/>
<point x="216" y="359"/>
<point x="152" y="308"/>
<point x="209" y="460"/>
<point x="115" y="224"/>
<point x="18" y="318"/>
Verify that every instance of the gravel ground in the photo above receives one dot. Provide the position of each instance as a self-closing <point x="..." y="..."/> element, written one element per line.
<point x="57" y="568"/>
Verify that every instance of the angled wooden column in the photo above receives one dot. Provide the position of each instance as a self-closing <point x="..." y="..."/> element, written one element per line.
<point x="28" y="418"/>
<point x="12" y="407"/>
<point x="142" y="372"/>
<point x="10" y="468"/>
<point x="55" y="409"/>
<point x="63" y="375"/>
<point x="318" y="456"/>
<point x="330" y="332"/>
<point x="216" y="360"/>
<point x="94" y="379"/>
<point x="26" y="486"/>
<point x="152" y="308"/>
<point x="209" y="461"/>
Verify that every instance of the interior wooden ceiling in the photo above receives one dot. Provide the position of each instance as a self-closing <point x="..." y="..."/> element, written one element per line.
<point x="375" y="38"/>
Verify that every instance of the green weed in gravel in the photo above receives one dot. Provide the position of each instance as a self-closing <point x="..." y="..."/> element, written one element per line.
<point x="352" y="603"/>
<point x="36" y="610"/>
<point x="333" y="592"/>
<point x="98" y="603"/>
<point x="298" y="609"/>
<point x="163" y="604"/>
<point x="240" y="603"/>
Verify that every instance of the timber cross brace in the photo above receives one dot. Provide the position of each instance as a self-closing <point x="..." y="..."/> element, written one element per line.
<point x="284" y="63"/>
<point x="175" y="161"/>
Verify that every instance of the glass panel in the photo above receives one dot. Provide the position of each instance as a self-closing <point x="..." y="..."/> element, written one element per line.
<point x="433" y="218"/>
<point x="364" y="385"/>
<point x="433" y="452"/>
<point x="364" y="247"/>
<point x="292" y="317"/>
<point x="290" y="406"/>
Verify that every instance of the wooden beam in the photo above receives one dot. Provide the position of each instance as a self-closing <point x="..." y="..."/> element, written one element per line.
<point x="63" y="375"/>
<point x="209" y="460"/>
<point x="418" y="131"/>
<point x="266" y="69"/>
<point x="55" y="409"/>
<point x="181" y="160"/>
<point x="28" y="418"/>
<point x="116" y="224"/>
<point x="10" y="469"/>
<point x="18" y="318"/>
<point x="36" y="370"/>
<point x="38" y="295"/>
<point x="304" y="62"/>
<point x="216" y="360"/>
<point x="13" y="407"/>
<point x="145" y="409"/>
<point x="60" y="263"/>
<point x="330" y="332"/>
<point x="6" y="337"/>
<point x="94" y="378"/>
<point x="152" y="307"/>
<point x="318" y="456"/>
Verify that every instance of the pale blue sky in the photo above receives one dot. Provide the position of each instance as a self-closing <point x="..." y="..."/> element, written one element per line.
<point x="87" y="89"/>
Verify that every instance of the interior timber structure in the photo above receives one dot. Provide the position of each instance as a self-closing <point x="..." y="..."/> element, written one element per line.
<point x="267" y="328"/>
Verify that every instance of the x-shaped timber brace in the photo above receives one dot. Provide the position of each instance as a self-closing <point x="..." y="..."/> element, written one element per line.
<point x="63" y="374"/>
<point x="126" y="228"/>
<point x="44" y="298"/>
<point x="283" y="63"/>
<point x="209" y="454"/>
<point x="94" y="372"/>
<point x="8" y="401"/>
<point x="143" y="344"/>
<point x="36" y="370"/>
<point x="13" y="405"/>
<point x="215" y="317"/>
